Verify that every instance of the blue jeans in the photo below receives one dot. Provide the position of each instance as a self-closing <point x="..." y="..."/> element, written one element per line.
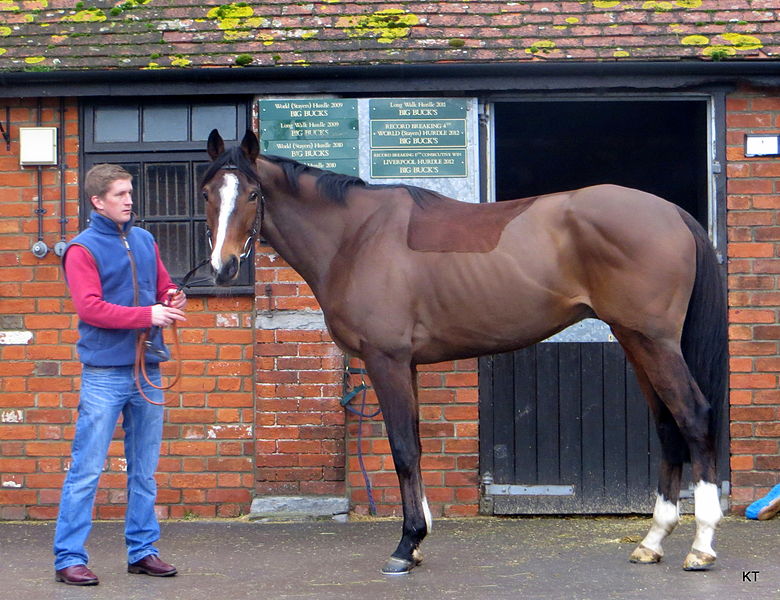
<point x="105" y="393"/>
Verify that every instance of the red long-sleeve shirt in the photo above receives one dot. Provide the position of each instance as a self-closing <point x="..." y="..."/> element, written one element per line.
<point x="87" y="293"/>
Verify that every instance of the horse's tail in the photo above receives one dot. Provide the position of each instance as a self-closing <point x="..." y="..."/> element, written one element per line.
<point x="704" y="337"/>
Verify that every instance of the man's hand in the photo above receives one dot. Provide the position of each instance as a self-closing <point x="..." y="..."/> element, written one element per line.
<point x="176" y="299"/>
<point x="162" y="316"/>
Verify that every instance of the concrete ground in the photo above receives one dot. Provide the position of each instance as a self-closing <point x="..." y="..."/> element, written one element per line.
<point x="491" y="558"/>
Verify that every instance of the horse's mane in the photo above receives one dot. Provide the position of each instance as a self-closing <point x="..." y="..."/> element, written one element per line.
<point x="335" y="186"/>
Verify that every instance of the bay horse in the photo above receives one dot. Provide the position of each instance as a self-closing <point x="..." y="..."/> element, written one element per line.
<point x="406" y="276"/>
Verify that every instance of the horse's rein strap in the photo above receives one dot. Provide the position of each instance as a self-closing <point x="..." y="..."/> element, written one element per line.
<point x="142" y="344"/>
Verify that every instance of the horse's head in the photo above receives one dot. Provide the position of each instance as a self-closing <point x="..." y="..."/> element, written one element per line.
<point x="231" y="189"/>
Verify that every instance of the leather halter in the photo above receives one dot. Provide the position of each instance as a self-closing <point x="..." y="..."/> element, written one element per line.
<point x="248" y="244"/>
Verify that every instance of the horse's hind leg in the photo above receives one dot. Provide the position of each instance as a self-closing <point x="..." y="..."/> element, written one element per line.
<point x="666" y="513"/>
<point x="671" y="381"/>
<point x="393" y="380"/>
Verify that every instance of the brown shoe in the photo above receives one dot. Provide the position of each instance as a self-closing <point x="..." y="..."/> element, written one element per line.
<point x="76" y="575"/>
<point x="152" y="565"/>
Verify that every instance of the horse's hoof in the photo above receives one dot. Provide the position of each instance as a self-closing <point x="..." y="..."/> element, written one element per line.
<point x="398" y="566"/>
<point x="401" y="566"/>
<point x="698" y="561"/>
<point x="644" y="556"/>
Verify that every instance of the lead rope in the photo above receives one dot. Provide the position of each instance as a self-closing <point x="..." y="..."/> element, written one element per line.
<point x="142" y="343"/>
<point x="349" y="395"/>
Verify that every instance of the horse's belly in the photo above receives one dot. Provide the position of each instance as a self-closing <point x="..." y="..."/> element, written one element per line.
<point x="487" y="307"/>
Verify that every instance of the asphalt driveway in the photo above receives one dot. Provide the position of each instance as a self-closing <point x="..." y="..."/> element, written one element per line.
<point x="491" y="558"/>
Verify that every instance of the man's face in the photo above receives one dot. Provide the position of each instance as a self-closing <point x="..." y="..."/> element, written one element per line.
<point x="117" y="203"/>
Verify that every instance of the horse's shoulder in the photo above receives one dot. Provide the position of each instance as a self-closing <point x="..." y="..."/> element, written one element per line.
<point x="441" y="224"/>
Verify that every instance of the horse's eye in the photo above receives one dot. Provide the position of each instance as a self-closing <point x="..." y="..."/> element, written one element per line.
<point x="253" y="197"/>
<point x="205" y="195"/>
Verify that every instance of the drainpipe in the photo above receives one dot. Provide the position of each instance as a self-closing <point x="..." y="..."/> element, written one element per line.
<point x="59" y="247"/>
<point x="39" y="248"/>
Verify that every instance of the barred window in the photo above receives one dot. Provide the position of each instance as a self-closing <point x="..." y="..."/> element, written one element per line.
<point x="163" y="145"/>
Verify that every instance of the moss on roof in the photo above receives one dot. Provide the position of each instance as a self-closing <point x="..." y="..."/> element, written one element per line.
<point x="181" y="34"/>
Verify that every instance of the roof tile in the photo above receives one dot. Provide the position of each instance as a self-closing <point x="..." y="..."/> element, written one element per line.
<point x="126" y="34"/>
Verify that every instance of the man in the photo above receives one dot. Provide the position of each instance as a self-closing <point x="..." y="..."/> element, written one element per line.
<point x="119" y="287"/>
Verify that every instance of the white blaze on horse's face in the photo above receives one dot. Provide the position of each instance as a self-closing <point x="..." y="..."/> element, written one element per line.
<point x="228" y="194"/>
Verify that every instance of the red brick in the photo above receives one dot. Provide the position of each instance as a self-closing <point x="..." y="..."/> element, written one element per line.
<point x="753" y="380"/>
<point x="48" y="416"/>
<point x="744" y="365"/>
<point x="17" y="465"/>
<point x="768" y="430"/>
<point x="766" y="202"/>
<point x="201" y="481"/>
<point x="751" y="250"/>
<point x="191" y="415"/>
<point x="751" y="316"/>
<point x="753" y="348"/>
<point x="768" y="463"/>
<point x="753" y="282"/>
<point x="767" y="397"/>
<point x="47" y="513"/>
<point x="753" y="413"/>
<point x="768" y="103"/>
<point x="222" y="495"/>
<point x="45" y="480"/>
<point x="461" y="413"/>
<point x="461" y="510"/>
<point x="748" y="120"/>
<point x="770" y="169"/>
<point x="192" y="447"/>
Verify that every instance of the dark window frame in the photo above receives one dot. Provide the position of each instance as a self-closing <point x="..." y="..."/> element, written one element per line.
<point x="191" y="153"/>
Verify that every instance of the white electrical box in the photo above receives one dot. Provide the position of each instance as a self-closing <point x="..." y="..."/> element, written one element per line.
<point x="38" y="146"/>
<point x="762" y="145"/>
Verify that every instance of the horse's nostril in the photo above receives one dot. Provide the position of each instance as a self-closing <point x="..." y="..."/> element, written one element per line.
<point x="228" y="271"/>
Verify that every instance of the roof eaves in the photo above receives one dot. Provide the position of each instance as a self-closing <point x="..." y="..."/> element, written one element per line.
<point x="366" y="79"/>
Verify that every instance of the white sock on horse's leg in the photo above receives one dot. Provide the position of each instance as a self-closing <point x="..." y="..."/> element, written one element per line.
<point x="708" y="514"/>
<point x="666" y="515"/>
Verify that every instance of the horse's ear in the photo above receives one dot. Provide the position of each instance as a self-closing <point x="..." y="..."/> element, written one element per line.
<point x="215" y="146"/>
<point x="250" y="145"/>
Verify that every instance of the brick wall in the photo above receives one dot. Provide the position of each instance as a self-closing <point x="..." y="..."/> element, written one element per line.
<point x="38" y="372"/>
<point x="207" y="462"/>
<point x="299" y="422"/>
<point x="258" y="409"/>
<point x="754" y="299"/>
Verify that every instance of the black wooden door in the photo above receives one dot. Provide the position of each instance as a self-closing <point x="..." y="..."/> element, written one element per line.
<point x="563" y="426"/>
<point x="564" y="429"/>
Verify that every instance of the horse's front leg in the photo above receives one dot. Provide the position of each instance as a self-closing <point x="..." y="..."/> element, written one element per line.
<point x="393" y="379"/>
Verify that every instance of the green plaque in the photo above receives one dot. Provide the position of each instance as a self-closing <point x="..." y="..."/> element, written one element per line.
<point x="417" y="108"/>
<point x="312" y="149"/>
<point x="418" y="163"/>
<point x="315" y="129"/>
<point x="321" y="133"/>
<point x="444" y="133"/>
<point x="418" y="137"/>
<point x="307" y="108"/>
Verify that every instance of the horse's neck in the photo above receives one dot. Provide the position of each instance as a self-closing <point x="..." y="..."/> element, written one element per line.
<point x="306" y="237"/>
<point x="308" y="231"/>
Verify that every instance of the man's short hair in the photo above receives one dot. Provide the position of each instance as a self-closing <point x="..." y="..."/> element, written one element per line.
<point x="100" y="177"/>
